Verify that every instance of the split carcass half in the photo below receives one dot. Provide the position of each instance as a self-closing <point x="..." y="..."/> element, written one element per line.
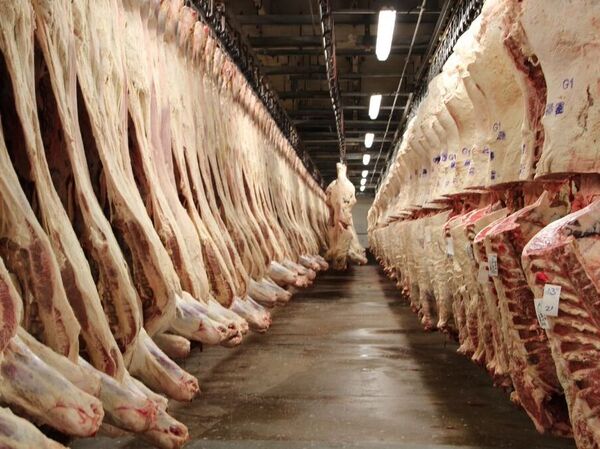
<point x="341" y="234"/>
<point x="531" y="366"/>
<point x="565" y="253"/>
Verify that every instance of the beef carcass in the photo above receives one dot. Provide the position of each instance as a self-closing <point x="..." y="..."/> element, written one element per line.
<point x="531" y="365"/>
<point x="566" y="50"/>
<point x="31" y="386"/>
<point x="18" y="433"/>
<point x="565" y="253"/>
<point x="480" y="309"/>
<point x="175" y="346"/>
<point x="340" y="200"/>
<point x="154" y="276"/>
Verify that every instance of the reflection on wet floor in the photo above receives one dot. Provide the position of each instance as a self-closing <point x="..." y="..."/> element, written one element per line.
<point x="346" y="365"/>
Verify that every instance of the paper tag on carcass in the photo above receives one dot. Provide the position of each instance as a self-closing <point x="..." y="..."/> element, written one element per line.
<point x="428" y="236"/>
<point x="551" y="299"/>
<point x="539" y="311"/>
<point x="469" y="250"/>
<point x="493" y="264"/>
<point x="482" y="274"/>
<point x="449" y="246"/>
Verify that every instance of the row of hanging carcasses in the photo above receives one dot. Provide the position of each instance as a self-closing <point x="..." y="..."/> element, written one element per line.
<point x="491" y="204"/>
<point x="147" y="200"/>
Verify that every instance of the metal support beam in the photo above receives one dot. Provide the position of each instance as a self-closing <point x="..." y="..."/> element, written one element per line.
<point x="350" y="140"/>
<point x="319" y="123"/>
<point x="297" y="113"/>
<point x="290" y="95"/>
<point x="305" y="41"/>
<point x="342" y="17"/>
<point x="354" y="51"/>
<point x="294" y="70"/>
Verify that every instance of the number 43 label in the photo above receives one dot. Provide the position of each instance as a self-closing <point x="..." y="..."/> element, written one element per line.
<point x="551" y="299"/>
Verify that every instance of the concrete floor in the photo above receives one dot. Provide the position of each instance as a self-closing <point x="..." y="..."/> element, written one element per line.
<point x="346" y="365"/>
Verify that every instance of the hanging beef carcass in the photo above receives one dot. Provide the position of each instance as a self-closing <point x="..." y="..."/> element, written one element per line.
<point x="108" y="159"/>
<point x="531" y="365"/>
<point x="126" y="406"/>
<point x="340" y="200"/>
<point x="18" y="433"/>
<point x="564" y="253"/>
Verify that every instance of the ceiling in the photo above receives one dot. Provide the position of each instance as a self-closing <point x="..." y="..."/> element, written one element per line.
<point x="286" y="36"/>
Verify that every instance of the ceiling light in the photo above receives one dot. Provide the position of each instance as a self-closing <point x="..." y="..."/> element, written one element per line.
<point x="366" y="159"/>
<point x="365" y="173"/>
<point x="362" y="188"/>
<point x="385" y="33"/>
<point x="374" y="104"/>
<point x="363" y="181"/>
<point x="369" y="137"/>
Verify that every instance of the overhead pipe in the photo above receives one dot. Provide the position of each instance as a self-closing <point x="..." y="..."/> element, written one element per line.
<point x="332" y="78"/>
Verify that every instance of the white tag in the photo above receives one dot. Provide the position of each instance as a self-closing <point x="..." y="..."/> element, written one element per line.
<point x="551" y="299"/>
<point x="493" y="264"/>
<point x="428" y="236"/>
<point x="482" y="274"/>
<point x="539" y="311"/>
<point x="469" y="250"/>
<point x="449" y="246"/>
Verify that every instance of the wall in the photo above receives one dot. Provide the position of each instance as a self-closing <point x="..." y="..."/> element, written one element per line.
<point x="359" y="216"/>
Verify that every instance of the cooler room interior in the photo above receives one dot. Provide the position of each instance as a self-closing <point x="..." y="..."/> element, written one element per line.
<point x="325" y="224"/>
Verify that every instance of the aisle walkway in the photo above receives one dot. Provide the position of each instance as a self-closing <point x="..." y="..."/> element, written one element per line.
<point x="346" y="365"/>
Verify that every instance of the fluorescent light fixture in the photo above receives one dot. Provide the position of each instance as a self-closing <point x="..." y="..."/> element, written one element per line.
<point x="366" y="159"/>
<point x="374" y="104"/>
<point x="362" y="188"/>
<point x="385" y="33"/>
<point x="363" y="181"/>
<point x="365" y="173"/>
<point x="369" y="137"/>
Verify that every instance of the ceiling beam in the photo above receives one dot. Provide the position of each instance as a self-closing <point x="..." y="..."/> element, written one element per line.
<point x="298" y="113"/>
<point x="324" y="133"/>
<point x="329" y="141"/>
<point x="419" y="48"/>
<point x="259" y="42"/>
<point x="293" y="70"/>
<point x="344" y="76"/>
<point x="341" y="17"/>
<point x="290" y="95"/>
<point x="309" y="125"/>
<point x="318" y="72"/>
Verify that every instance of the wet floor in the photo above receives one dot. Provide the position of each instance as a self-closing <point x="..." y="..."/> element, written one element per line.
<point x="346" y="365"/>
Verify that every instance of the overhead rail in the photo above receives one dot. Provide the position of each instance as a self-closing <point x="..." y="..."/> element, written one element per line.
<point x="332" y="78"/>
<point x="231" y="40"/>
